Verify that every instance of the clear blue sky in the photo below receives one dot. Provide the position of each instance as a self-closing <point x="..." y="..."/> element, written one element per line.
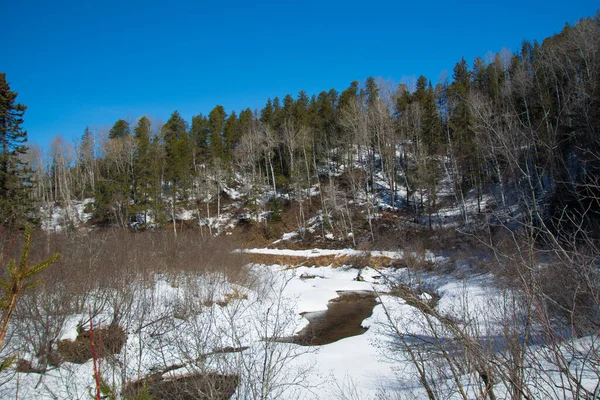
<point x="83" y="62"/>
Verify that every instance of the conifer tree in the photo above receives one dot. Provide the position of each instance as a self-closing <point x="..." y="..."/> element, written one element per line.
<point x="301" y="109"/>
<point x="177" y="154"/>
<point x="246" y="122"/>
<point x="495" y="73"/>
<point x="230" y="136"/>
<point x="461" y="124"/>
<point x="480" y="75"/>
<point x="177" y="149"/>
<point x="349" y="96"/>
<point x="19" y="276"/>
<point x="216" y="124"/>
<point x="288" y="109"/>
<point x="267" y="113"/>
<point x="15" y="176"/>
<point x="199" y="137"/>
<point x="278" y="115"/>
<point x="142" y="167"/>
<point x="120" y="129"/>
<point x="371" y="90"/>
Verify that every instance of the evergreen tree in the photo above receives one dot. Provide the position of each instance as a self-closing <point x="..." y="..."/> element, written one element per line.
<point x="461" y="124"/>
<point x="199" y="136"/>
<point x="288" y="109"/>
<point x="403" y="99"/>
<point x="301" y="109"/>
<point x="246" y="122"/>
<point x="349" y="96"/>
<point x="480" y="75"/>
<point x="142" y="167"/>
<point x="230" y="136"/>
<point x="495" y="73"/>
<point x="371" y="90"/>
<point x="177" y="149"/>
<point x="216" y="125"/>
<point x="120" y="129"/>
<point x="278" y="114"/>
<point x="15" y="176"/>
<point x="267" y="114"/>
<point x="177" y="157"/>
<point x="432" y="126"/>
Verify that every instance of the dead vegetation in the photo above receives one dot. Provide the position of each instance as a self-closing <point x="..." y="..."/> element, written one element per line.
<point x="109" y="341"/>
<point x="196" y="386"/>
<point x="335" y="261"/>
<point x="104" y="273"/>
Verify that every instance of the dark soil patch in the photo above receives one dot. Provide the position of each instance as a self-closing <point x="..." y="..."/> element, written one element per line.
<point x="184" y="387"/>
<point x="342" y="319"/>
<point x="107" y="341"/>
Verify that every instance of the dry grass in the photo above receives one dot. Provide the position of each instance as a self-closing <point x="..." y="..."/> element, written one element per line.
<point x="235" y="295"/>
<point x="202" y="386"/>
<point x="106" y="270"/>
<point x="110" y="341"/>
<point x="110" y="257"/>
<point x="375" y="262"/>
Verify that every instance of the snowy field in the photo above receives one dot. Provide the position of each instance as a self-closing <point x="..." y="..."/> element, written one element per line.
<point x="177" y="328"/>
<point x="158" y="338"/>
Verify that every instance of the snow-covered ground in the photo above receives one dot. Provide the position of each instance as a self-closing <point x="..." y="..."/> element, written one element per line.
<point x="356" y="363"/>
<point x="56" y="218"/>
<point x="183" y="322"/>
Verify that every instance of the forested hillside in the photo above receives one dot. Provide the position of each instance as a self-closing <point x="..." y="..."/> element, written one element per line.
<point x="520" y="127"/>
<point x="433" y="239"/>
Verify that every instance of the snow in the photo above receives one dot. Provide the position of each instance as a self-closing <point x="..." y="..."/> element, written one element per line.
<point x="357" y="367"/>
<point x="185" y="215"/>
<point x="289" y="235"/>
<point x="232" y="193"/>
<point x="317" y="252"/>
<point x="325" y="252"/>
<point x="56" y="218"/>
<point x="314" y="294"/>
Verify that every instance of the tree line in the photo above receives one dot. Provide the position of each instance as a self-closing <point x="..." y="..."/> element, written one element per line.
<point x="523" y="124"/>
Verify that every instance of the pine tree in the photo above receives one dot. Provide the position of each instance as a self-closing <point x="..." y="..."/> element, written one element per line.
<point x="267" y="113"/>
<point x="230" y="136"/>
<point x="461" y="123"/>
<point x="15" y="176"/>
<point x="495" y="73"/>
<point x="142" y="180"/>
<point x="177" y="149"/>
<point x="216" y="124"/>
<point x="480" y="75"/>
<point x="288" y="109"/>
<point x="19" y="276"/>
<point x="371" y="90"/>
<point x="199" y="137"/>
<point x="177" y="168"/>
<point x="120" y="129"/>
<point x="278" y="114"/>
<point x="301" y="109"/>
<point x="246" y="122"/>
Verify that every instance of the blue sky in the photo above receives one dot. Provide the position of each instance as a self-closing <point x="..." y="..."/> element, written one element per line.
<point x="78" y="63"/>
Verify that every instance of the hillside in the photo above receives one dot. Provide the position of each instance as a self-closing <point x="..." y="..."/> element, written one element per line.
<point x="387" y="242"/>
